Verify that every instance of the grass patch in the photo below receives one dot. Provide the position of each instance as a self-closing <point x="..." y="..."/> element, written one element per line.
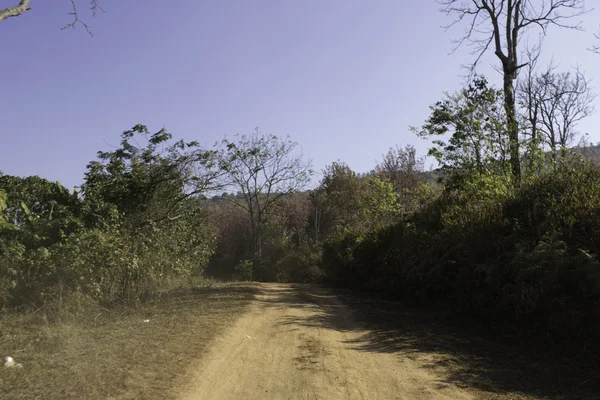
<point x="112" y="353"/>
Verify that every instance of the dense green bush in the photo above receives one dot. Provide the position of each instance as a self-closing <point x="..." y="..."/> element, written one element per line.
<point x="243" y="271"/>
<point x="301" y="265"/>
<point x="111" y="264"/>
<point x="527" y="255"/>
<point x="138" y="225"/>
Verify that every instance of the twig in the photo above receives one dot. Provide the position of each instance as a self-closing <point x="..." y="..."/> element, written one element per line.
<point x="588" y="380"/>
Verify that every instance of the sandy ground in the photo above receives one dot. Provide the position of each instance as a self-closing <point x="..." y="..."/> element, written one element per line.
<point x="300" y="342"/>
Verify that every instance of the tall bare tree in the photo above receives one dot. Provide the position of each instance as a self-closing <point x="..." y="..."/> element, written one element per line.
<point x="500" y="25"/>
<point x="554" y="102"/>
<point x="529" y="100"/>
<point x="565" y="98"/>
<point x="264" y="169"/>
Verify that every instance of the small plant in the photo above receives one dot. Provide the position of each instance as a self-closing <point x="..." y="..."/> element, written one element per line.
<point x="243" y="271"/>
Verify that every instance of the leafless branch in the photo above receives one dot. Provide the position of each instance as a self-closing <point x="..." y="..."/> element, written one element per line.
<point x="596" y="48"/>
<point x="555" y="102"/>
<point x="487" y="19"/>
<point x="77" y="20"/>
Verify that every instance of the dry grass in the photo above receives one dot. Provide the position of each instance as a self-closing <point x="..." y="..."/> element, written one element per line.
<point x="114" y="354"/>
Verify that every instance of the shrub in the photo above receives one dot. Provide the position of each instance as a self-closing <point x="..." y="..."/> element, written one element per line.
<point x="110" y="264"/>
<point x="528" y="256"/>
<point x="243" y="271"/>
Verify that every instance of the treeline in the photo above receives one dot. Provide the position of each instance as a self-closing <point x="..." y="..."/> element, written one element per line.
<point x="141" y="219"/>
<point x="295" y="228"/>
<point x="467" y="237"/>
<point x="474" y="242"/>
<point x="134" y="224"/>
<point x="147" y="214"/>
<point x="516" y="254"/>
<point x="525" y="258"/>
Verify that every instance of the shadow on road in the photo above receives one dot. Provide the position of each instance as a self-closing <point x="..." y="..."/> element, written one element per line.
<point x="462" y="355"/>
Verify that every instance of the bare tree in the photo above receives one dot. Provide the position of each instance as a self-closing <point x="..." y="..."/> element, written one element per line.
<point x="23" y="7"/>
<point x="564" y="99"/>
<point x="264" y="169"/>
<point x="337" y="201"/>
<point x="529" y="100"/>
<point x="500" y="24"/>
<point x="554" y="102"/>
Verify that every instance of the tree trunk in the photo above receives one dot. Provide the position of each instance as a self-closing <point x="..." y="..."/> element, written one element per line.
<point x="258" y="243"/>
<point x="533" y="111"/>
<point x="257" y="251"/>
<point x="317" y="222"/>
<point x="511" y="124"/>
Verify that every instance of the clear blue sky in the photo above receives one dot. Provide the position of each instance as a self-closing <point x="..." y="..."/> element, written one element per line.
<point x="344" y="78"/>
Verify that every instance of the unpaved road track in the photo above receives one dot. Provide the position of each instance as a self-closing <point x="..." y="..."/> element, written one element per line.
<point x="300" y="342"/>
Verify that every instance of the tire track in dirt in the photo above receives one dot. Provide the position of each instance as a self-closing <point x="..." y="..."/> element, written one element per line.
<point x="299" y="342"/>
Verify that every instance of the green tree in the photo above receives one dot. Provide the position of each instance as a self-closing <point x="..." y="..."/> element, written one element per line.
<point x="3" y="206"/>
<point x="39" y="211"/>
<point x="151" y="183"/>
<point x="380" y="205"/>
<point x="472" y="134"/>
<point x="344" y="202"/>
<point x="142" y="199"/>
<point x="337" y="201"/>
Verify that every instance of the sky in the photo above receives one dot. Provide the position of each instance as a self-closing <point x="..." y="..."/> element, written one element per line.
<point x="343" y="78"/>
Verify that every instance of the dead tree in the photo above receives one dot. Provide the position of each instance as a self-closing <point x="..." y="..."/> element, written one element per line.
<point x="500" y="24"/>
<point x="529" y="100"/>
<point x="565" y="98"/>
<point x="553" y="103"/>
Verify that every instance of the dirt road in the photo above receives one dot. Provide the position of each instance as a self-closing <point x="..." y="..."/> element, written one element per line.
<point x="300" y="342"/>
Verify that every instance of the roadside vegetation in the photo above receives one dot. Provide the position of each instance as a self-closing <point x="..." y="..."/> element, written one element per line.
<point x="122" y="352"/>
<point x="504" y="233"/>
